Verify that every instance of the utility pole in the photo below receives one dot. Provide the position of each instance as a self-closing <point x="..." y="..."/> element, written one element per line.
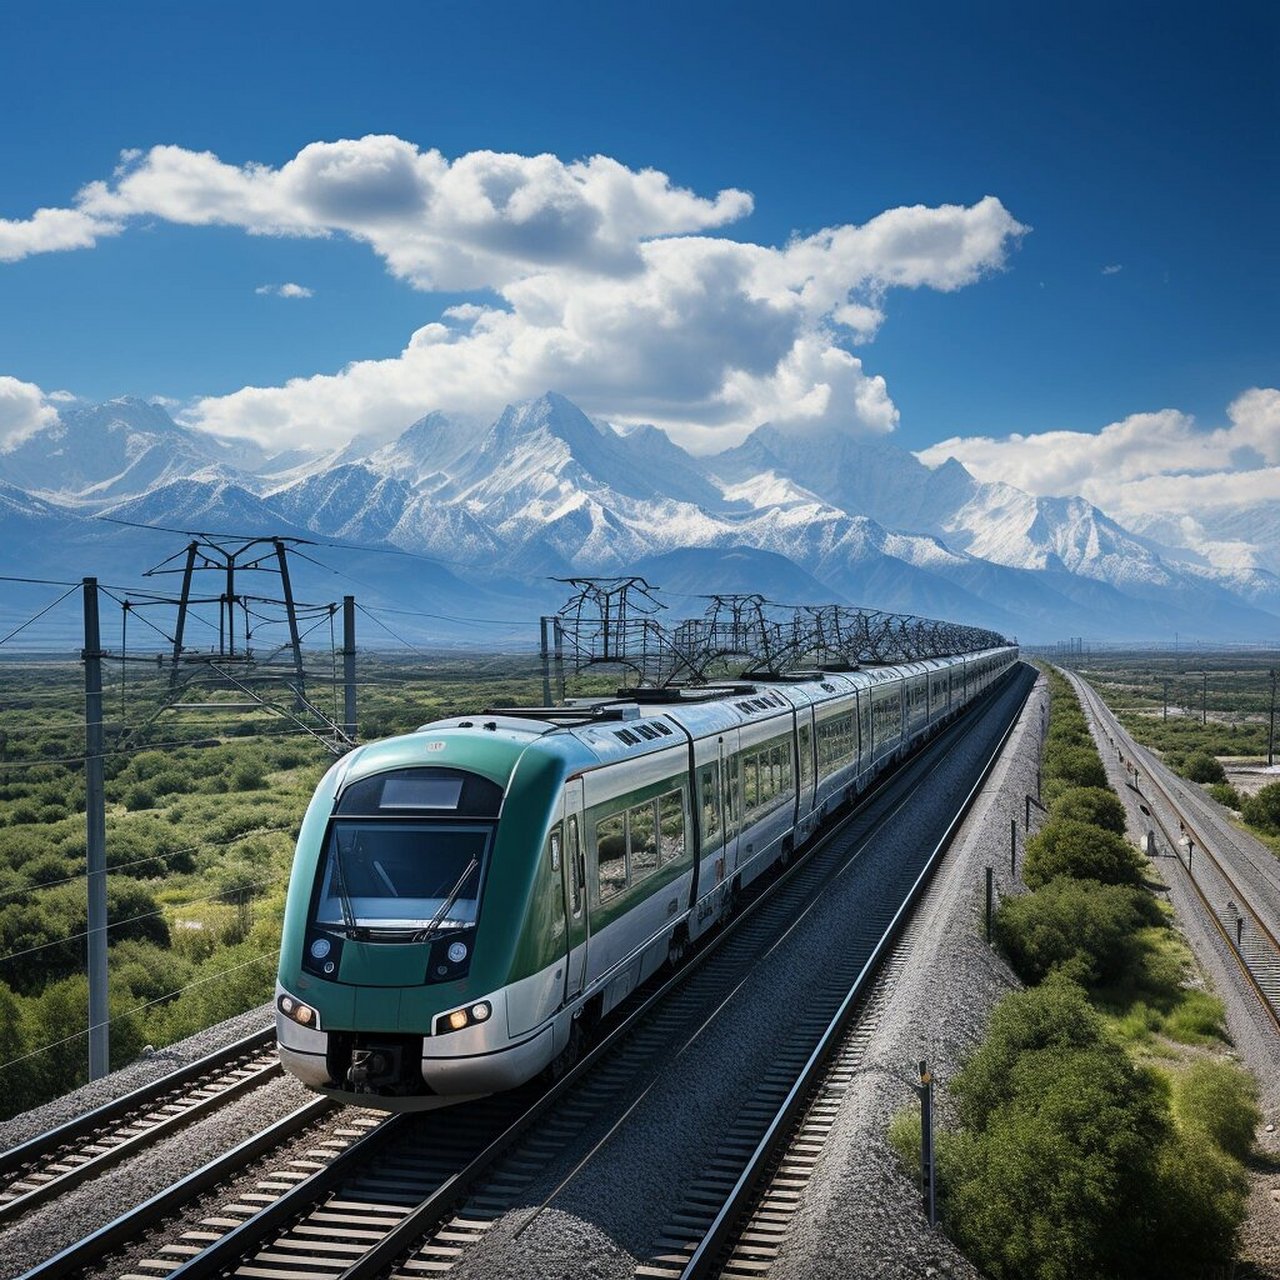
<point x="1165" y="682"/>
<point x="349" y="667"/>
<point x="96" y="837"/>
<point x="1204" y="698"/>
<point x="1271" y="732"/>
<point x="927" y="1191"/>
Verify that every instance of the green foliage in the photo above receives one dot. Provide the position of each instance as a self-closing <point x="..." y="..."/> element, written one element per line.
<point x="1086" y="929"/>
<point x="1097" y="805"/>
<point x="1263" y="809"/>
<point x="1069" y="1163"/>
<point x="1077" y="766"/>
<point x="1065" y="847"/>
<point x="1225" y="794"/>
<point x="1200" y="766"/>
<point x="1222" y="1101"/>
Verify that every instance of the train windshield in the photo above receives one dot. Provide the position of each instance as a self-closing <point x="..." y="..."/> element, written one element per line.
<point x="411" y="878"/>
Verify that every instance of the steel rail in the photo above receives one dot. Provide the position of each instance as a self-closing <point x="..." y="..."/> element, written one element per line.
<point x="705" y="1256"/>
<point x="144" y="1096"/>
<point x="129" y="1226"/>
<point x="1269" y="1004"/>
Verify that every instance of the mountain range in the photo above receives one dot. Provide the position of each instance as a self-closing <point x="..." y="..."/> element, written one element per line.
<point x="489" y="513"/>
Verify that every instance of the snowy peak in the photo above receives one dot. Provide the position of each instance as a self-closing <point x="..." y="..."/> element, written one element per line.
<point x="103" y="452"/>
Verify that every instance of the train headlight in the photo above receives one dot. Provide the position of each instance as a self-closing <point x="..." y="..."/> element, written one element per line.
<point x="303" y="1014"/>
<point x="321" y="948"/>
<point x="457" y="952"/>
<point x="459" y="1019"/>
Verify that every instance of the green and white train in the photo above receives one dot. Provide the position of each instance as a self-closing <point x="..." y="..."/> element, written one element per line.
<point x="466" y="899"/>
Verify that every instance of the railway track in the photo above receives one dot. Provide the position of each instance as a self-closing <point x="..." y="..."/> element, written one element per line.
<point x="51" y="1164"/>
<point x="1236" y="880"/>
<point x="414" y="1195"/>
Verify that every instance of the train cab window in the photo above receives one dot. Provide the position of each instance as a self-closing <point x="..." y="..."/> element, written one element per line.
<point x="611" y="855"/>
<point x="671" y="826"/>
<point x="642" y="839"/>
<point x="806" y="754"/>
<point x="553" y="847"/>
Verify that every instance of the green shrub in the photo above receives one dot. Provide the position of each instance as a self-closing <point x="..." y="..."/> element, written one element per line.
<point x="1086" y="929"/>
<point x="1056" y="1187"/>
<point x="1221" y="1100"/>
<point x="1263" y="810"/>
<point x="1200" y="766"/>
<point x="1070" y="1164"/>
<point x="1065" y="847"/>
<point x="1097" y="805"/>
<point x="1055" y="1017"/>
<point x="1198" y="1201"/>
<point x="1079" y="766"/>
<point x="1225" y="794"/>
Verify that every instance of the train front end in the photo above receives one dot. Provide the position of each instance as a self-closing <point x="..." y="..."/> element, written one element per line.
<point x="414" y="876"/>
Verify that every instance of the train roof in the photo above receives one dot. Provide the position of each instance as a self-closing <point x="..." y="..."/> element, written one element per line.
<point x="596" y="730"/>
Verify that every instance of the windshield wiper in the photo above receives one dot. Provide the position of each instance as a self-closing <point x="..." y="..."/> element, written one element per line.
<point x="423" y="934"/>
<point x="352" y="929"/>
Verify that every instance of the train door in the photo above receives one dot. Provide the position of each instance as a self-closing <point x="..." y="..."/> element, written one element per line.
<point x="573" y="866"/>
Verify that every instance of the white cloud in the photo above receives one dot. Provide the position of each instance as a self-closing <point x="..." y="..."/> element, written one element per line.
<point x="23" y="411"/>
<point x="608" y="287"/>
<point x="51" y="231"/>
<point x="1112" y="269"/>
<point x="285" y="290"/>
<point x="1151" y="469"/>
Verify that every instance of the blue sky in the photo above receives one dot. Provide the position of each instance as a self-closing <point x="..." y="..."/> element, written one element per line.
<point x="1130" y="267"/>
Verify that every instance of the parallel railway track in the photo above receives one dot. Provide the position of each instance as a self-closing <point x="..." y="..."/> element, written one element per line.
<point x="83" y="1148"/>
<point x="1236" y="881"/>
<point x="415" y="1194"/>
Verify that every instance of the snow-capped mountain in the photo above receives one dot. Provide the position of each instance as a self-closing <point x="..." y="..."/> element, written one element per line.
<point x="545" y="491"/>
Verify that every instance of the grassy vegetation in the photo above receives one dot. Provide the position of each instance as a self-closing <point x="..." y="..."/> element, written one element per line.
<point x="201" y="817"/>
<point x="1090" y="1142"/>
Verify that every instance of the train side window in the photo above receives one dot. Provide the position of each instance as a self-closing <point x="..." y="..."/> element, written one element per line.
<point x="806" y="754"/>
<point x="671" y="826"/>
<point x="642" y="839"/>
<point x="733" y="794"/>
<point x="611" y="855"/>
<point x="553" y="847"/>
<point x="709" y="786"/>
<point x="575" y="867"/>
<point x="750" y="784"/>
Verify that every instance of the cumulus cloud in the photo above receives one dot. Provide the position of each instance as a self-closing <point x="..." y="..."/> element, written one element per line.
<point x="288" y="290"/>
<point x="24" y="409"/>
<point x="1152" y="470"/>
<point x="608" y="287"/>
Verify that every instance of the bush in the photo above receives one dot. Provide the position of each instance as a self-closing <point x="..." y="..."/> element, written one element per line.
<point x="1097" y="805"/>
<point x="1055" y="1017"/>
<point x="1263" y="810"/>
<point x="1056" y="1187"/>
<point x="1070" y="1164"/>
<point x="1065" y="847"/>
<point x="1078" y="766"/>
<point x="1200" y="766"/>
<point x="1086" y="929"/>
<point x="1225" y="794"/>
<point x="1221" y="1100"/>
